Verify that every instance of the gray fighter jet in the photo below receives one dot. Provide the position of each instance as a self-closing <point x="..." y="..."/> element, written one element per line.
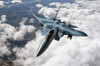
<point x="55" y="29"/>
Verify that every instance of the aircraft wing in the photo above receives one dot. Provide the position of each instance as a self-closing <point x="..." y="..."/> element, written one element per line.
<point x="44" y="21"/>
<point x="78" y="33"/>
<point x="45" y="31"/>
<point x="74" y="32"/>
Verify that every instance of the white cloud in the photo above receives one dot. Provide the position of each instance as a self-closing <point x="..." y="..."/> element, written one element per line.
<point x="1" y="3"/>
<point x="39" y="5"/>
<point x="3" y="18"/>
<point x="31" y="20"/>
<point x="47" y="12"/>
<point x="23" y="30"/>
<point x="62" y="60"/>
<point x="94" y="4"/>
<point x="3" y="48"/>
<point x="57" y="4"/>
<point x="8" y="31"/>
<point x="16" y="1"/>
<point x="27" y="56"/>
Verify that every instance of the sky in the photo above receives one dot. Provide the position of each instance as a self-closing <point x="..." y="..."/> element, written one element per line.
<point x="80" y="51"/>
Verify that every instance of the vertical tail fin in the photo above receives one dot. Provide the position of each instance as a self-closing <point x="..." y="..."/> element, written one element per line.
<point x="56" y="14"/>
<point x="70" y="19"/>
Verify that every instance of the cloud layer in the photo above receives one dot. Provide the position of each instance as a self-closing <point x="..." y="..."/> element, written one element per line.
<point x="16" y="1"/>
<point x="1" y="3"/>
<point x="80" y="51"/>
<point x="8" y="31"/>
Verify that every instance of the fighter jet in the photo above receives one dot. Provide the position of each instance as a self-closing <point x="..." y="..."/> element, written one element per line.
<point x="55" y="29"/>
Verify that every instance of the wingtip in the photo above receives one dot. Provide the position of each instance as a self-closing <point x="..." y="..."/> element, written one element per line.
<point x="85" y="34"/>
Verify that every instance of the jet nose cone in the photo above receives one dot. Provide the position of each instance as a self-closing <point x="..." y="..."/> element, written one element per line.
<point x="42" y="48"/>
<point x="37" y="55"/>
